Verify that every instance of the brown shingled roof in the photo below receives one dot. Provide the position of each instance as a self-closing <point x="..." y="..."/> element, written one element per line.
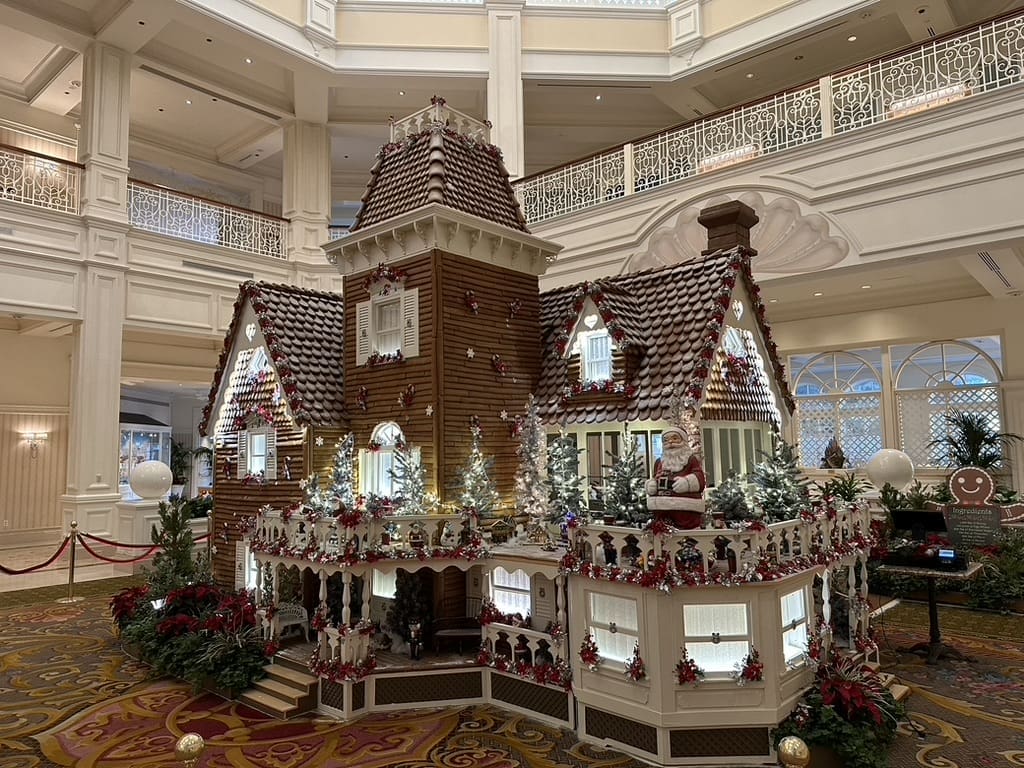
<point x="683" y="307"/>
<point x="440" y="166"/>
<point x="303" y="330"/>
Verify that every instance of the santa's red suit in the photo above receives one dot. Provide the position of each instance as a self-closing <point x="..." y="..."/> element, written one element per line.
<point x="690" y="482"/>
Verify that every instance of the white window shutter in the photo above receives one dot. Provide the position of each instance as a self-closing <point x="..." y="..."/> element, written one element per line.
<point x="363" y="468"/>
<point x="271" y="470"/>
<point x="240" y="564"/>
<point x="364" y="340"/>
<point x="411" y="322"/>
<point x="243" y="453"/>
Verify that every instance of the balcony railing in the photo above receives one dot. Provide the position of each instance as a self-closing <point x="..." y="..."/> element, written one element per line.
<point x="166" y="212"/>
<point x="983" y="59"/>
<point x="44" y="182"/>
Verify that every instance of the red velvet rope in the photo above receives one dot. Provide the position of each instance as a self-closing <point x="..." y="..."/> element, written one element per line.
<point x="54" y="556"/>
<point x="98" y="556"/>
<point x="115" y="543"/>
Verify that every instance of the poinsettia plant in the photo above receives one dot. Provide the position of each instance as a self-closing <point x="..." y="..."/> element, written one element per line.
<point x="589" y="655"/>
<point x="688" y="672"/>
<point x="750" y="670"/>
<point x="635" y="667"/>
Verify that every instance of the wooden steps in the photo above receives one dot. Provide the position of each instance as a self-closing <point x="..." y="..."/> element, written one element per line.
<point x="285" y="691"/>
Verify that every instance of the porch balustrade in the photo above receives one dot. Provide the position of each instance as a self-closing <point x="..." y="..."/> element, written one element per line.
<point x="40" y="181"/>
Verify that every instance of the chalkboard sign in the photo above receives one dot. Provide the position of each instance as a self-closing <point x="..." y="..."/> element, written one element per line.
<point x="973" y="526"/>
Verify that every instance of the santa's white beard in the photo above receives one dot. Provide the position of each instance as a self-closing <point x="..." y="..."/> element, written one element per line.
<point x="674" y="459"/>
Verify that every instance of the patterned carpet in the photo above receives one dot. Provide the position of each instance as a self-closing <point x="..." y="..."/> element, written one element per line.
<point x="70" y="697"/>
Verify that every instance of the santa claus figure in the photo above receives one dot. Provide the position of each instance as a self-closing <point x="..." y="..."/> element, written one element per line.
<point x="675" y="493"/>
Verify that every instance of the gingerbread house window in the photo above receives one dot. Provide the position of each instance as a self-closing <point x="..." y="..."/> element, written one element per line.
<point x="614" y="624"/>
<point x="387" y="326"/>
<point x="595" y="355"/>
<point x="716" y="636"/>
<point x="377" y="463"/>
<point x="510" y="591"/>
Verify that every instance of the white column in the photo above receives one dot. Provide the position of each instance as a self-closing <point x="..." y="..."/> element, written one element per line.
<point x="306" y="190"/>
<point x="505" y="82"/>
<point x="1013" y="411"/>
<point x="346" y="598"/>
<point x="94" y="440"/>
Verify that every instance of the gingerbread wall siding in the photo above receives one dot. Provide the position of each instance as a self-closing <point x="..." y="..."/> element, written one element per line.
<point x="506" y="323"/>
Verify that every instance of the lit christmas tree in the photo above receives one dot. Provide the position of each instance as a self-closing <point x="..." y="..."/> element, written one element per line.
<point x="343" y="476"/>
<point x="624" y="494"/>
<point x="780" y="492"/>
<point x="565" y="486"/>
<point x="729" y="499"/>
<point x="531" y="493"/>
<point x="477" y="489"/>
<point x="318" y="501"/>
<point x="410" y="476"/>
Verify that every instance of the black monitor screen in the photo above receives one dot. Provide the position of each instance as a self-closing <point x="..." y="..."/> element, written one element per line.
<point x="919" y="521"/>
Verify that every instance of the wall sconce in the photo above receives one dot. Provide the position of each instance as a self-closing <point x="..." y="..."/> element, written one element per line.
<point x="34" y="439"/>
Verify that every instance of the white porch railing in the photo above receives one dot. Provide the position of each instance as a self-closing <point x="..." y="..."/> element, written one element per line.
<point x="702" y="549"/>
<point x="392" y="536"/>
<point x="44" y="182"/>
<point x="983" y="59"/>
<point x="167" y="212"/>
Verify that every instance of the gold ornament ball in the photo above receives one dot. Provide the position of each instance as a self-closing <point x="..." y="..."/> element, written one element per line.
<point x="189" y="747"/>
<point x="794" y="753"/>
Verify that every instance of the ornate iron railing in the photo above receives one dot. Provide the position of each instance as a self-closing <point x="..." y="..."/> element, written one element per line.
<point x="44" y="182"/>
<point x="167" y="212"/>
<point x="334" y="233"/>
<point x="983" y="59"/>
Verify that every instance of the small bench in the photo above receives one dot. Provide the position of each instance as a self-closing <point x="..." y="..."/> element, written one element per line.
<point x="292" y="615"/>
<point x="458" y="630"/>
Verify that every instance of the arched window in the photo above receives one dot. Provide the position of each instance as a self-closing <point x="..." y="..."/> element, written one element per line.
<point x="838" y="395"/>
<point x="378" y="460"/>
<point x="935" y="378"/>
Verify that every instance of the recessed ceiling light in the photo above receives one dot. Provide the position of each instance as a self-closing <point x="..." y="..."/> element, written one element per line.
<point x="750" y="75"/>
<point x="773" y="301"/>
<point x="248" y="60"/>
<point x="209" y="39"/>
<point x="159" y="109"/>
<point x="865" y="286"/>
<point x="142" y="23"/>
<point x="818" y="293"/>
<point x="798" y="57"/>
<point x="188" y="101"/>
<point x="598" y="97"/>
<point x="401" y="93"/>
<point x="851" y="39"/>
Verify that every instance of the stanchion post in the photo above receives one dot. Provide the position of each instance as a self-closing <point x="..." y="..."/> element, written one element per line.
<point x="793" y="752"/>
<point x="71" y="598"/>
<point x="189" y="749"/>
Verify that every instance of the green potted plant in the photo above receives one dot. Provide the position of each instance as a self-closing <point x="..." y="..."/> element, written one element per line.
<point x="848" y="718"/>
<point x="970" y="441"/>
<point x="180" y="464"/>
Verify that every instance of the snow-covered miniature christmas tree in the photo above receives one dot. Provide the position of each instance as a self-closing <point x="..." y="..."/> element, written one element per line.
<point x="780" y="491"/>
<point x="343" y="475"/>
<point x="477" y="490"/>
<point x="729" y="500"/>
<point x="565" y="486"/>
<point x="530" y="489"/>
<point x="410" y="491"/>
<point x="624" y="480"/>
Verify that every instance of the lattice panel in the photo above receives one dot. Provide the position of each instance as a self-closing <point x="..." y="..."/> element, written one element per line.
<point x="404" y="690"/>
<point x="854" y="420"/>
<point x="719" y="742"/>
<point x="920" y="415"/>
<point x="332" y="694"/>
<point x="526" y="695"/>
<point x="358" y="695"/>
<point x="604" y="725"/>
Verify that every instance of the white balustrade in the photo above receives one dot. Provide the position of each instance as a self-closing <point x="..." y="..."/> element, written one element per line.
<point x="520" y="644"/>
<point x="349" y="647"/>
<point x="440" y="113"/>
<point x="44" y="182"/>
<point x="167" y="212"/>
<point x="986" y="58"/>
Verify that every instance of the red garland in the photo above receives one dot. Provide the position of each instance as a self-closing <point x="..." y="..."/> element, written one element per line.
<point x="363" y="398"/>
<point x="635" y="668"/>
<point x="385" y="276"/>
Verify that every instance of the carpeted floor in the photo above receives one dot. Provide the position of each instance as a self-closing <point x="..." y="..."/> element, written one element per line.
<point x="70" y="697"/>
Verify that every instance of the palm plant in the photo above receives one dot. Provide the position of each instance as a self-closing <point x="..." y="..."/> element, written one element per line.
<point x="971" y="442"/>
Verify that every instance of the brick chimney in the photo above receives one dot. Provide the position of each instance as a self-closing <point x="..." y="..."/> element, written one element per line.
<point x="728" y="225"/>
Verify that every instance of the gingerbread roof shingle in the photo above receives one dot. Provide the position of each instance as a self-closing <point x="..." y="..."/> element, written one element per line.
<point x="303" y="330"/>
<point x="439" y="165"/>
<point x="680" y="310"/>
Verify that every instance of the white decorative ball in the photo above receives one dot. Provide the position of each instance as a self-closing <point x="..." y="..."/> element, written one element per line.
<point x="890" y="466"/>
<point x="150" y="479"/>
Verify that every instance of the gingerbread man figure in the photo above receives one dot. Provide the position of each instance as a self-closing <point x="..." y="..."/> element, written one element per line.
<point x="974" y="487"/>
